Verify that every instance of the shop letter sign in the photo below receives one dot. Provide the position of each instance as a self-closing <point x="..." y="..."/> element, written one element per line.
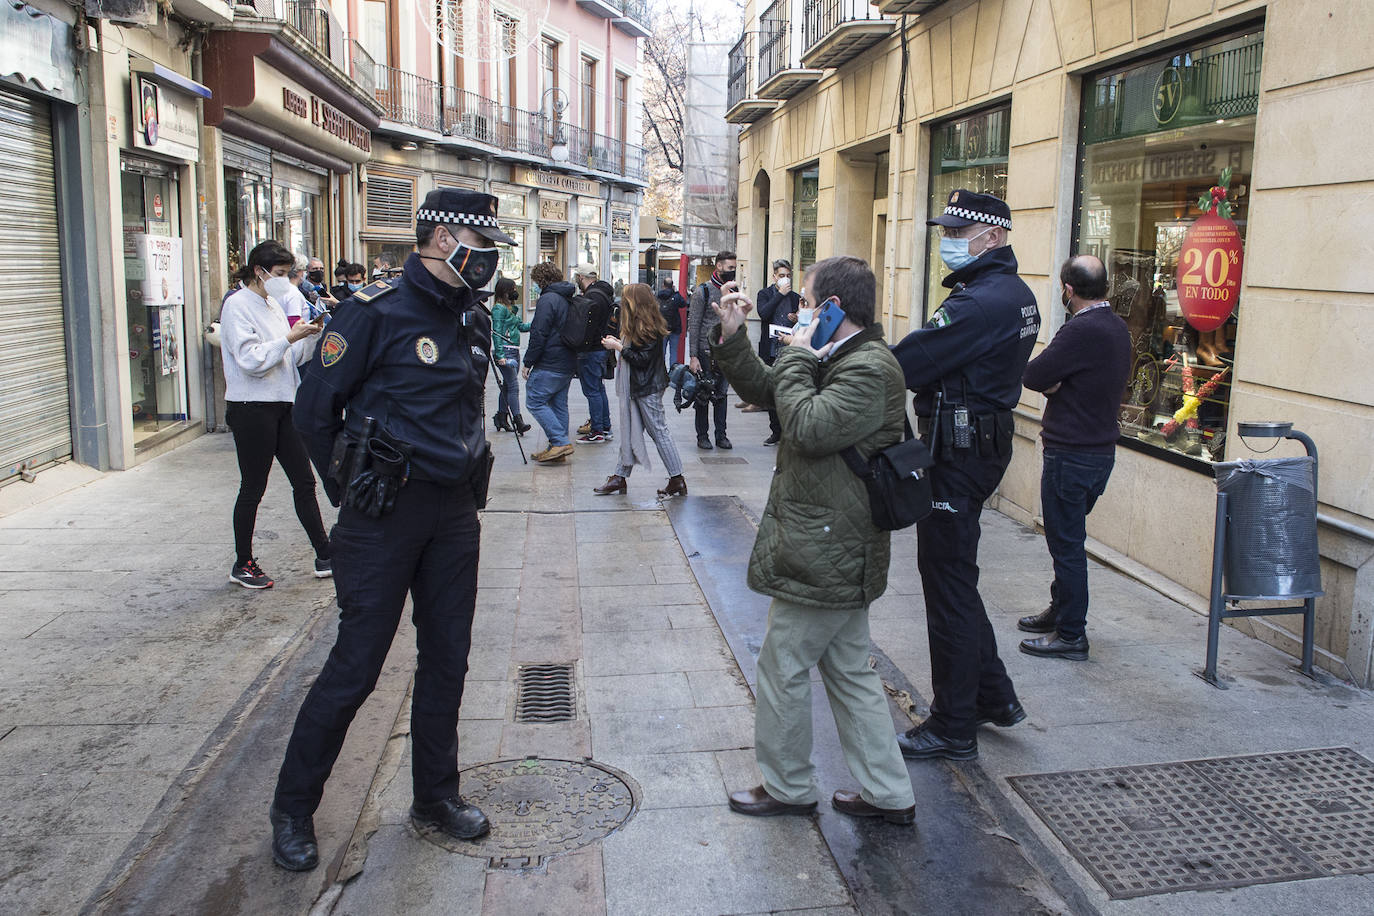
<point x="1209" y="265"/>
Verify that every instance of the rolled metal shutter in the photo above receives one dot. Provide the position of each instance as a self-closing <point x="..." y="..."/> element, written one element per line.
<point x="35" y="412"/>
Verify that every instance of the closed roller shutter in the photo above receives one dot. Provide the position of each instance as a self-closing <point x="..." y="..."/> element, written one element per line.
<point x="35" y="418"/>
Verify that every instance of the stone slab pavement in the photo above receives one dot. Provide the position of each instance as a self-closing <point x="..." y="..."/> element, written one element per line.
<point x="145" y="702"/>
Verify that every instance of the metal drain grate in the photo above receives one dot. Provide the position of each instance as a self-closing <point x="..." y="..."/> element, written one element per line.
<point x="1211" y="824"/>
<point x="721" y="459"/>
<point x="544" y="693"/>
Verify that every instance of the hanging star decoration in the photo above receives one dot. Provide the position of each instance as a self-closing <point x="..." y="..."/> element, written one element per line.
<point x="1218" y="196"/>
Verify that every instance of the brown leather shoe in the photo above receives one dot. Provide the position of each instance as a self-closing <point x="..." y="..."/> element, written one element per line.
<point x="614" y="484"/>
<point x="554" y="453"/>
<point x="756" y="802"/>
<point x="677" y="486"/>
<point x="852" y="803"/>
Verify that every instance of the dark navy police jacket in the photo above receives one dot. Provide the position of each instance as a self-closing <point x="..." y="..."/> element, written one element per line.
<point x="978" y="342"/>
<point x="401" y="354"/>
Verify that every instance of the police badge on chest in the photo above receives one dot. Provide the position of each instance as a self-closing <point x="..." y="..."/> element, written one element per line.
<point x="427" y="350"/>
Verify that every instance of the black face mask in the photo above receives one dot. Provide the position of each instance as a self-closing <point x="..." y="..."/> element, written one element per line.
<point x="315" y="276"/>
<point x="726" y="276"/>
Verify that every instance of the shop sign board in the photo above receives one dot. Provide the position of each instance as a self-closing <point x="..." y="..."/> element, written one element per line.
<point x="1209" y="265"/>
<point x="160" y="259"/>
<point x="553" y="209"/>
<point x="36" y="49"/>
<point x="164" y="120"/>
<point x="556" y="181"/>
<point x="620" y="226"/>
<point x="327" y="118"/>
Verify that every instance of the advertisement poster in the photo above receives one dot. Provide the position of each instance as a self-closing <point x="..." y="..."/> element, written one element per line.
<point x="162" y="269"/>
<point x="1209" y="266"/>
<point x="170" y="344"/>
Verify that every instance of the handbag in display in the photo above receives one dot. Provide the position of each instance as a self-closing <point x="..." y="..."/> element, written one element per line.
<point x="898" y="482"/>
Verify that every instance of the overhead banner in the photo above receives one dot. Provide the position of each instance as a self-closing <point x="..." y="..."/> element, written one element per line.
<point x="710" y="154"/>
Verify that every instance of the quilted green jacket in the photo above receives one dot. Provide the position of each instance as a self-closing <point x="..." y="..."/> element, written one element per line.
<point x="816" y="544"/>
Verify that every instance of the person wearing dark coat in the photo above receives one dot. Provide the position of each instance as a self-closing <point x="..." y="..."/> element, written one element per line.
<point x="671" y="304"/>
<point x="549" y="363"/>
<point x="776" y="304"/>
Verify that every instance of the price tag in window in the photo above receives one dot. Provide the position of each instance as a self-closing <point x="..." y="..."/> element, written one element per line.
<point x="1209" y="265"/>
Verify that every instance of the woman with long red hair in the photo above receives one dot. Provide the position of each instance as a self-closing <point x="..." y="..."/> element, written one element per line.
<point x="639" y="387"/>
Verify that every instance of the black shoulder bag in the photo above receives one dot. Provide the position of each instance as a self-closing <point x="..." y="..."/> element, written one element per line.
<point x="898" y="481"/>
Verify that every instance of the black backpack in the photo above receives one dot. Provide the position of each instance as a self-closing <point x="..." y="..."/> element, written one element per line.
<point x="588" y="319"/>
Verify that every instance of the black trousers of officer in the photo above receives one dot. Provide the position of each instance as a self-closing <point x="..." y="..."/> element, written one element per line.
<point x="427" y="545"/>
<point x="965" y="669"/>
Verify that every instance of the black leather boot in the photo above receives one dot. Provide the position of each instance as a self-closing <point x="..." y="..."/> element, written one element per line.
<point x="293" y="841"/>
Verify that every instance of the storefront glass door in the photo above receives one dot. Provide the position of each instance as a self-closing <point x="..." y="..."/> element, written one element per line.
<point x="155" y="299"/>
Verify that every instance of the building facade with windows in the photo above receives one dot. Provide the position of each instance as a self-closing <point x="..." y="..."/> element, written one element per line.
<point x="1103" y="124"/>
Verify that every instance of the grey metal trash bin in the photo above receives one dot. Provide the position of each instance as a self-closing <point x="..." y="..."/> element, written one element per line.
<point x="1271" y="529"/>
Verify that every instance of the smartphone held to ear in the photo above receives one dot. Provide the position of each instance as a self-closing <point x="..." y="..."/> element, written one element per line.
<point x="828" y="318"/>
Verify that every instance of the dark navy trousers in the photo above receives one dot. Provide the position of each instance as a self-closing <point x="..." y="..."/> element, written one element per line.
<point x="1070" y="483"/>
<point x="966" y="671"/>
<point x="427" y="546"/>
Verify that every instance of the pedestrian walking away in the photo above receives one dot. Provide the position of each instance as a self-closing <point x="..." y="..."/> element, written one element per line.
<point x="261" y="352"/>
<point x="639" y="387"/>
<point x="965" y="366"/>
<point x="776" y="304"/>
<point x="549" y="362"/>
<point x="702" y="324"/>
<point x="671" y="303"/>
<point x="505" y="329"/>
<point x="591" y="364"/>
<point x="392" y="412"/>
<point x="1082" y="374"/>
<point x="818" y="553"/>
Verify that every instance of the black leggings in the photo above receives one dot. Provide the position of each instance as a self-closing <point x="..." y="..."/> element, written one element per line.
<point x="263" y="430"/>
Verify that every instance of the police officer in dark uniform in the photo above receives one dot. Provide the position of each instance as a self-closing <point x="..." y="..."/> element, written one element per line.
<point x="965" y="366"/>
<point x="391" y="411"/>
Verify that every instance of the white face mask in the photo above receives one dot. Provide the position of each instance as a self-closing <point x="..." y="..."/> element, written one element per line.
<point x="784" y="284"/>
<point x="277" y="287"/>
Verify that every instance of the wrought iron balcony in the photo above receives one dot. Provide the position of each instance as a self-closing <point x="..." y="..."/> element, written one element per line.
<point x="606" y="9"/>
<point x="408" y="99"/>
<point x="781" y="75"/>
<point x="362" y="68"/>
<point x="313" y="19"/>
<point x="837" y="31"/>
<point x="741" y="104"/>
<point x="634" y="19"/>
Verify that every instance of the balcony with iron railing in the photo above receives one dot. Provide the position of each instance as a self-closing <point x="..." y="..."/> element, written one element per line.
<point x="741" y="103"/>
<point x="634" y="19"/>
<point x="470" y="119"/>
<point x="781" y="74"/>
<point x="910" y="7"/>
<point x="314" y="20"/>
<point x="835" y="32"/>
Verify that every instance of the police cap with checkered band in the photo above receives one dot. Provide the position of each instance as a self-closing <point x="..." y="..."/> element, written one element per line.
<point x="967" y="207"/>
<point x="460" y="207"/>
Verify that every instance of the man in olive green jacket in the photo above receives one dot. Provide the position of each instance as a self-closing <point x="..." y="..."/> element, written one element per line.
<point x="817" y="552"/>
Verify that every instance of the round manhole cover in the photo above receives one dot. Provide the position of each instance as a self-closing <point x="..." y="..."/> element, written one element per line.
<point x="539" y="807"/>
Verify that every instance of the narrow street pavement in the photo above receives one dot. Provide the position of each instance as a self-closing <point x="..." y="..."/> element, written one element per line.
<point x="145" y="702"/>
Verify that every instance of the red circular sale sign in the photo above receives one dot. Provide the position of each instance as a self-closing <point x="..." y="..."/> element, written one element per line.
<point x="1209" y="266"/>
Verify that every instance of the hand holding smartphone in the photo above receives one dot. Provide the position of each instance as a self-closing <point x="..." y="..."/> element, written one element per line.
<point x="828" y="318"/>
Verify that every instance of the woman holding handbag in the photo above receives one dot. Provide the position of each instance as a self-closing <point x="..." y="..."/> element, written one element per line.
<point x="639" y="388"/>
<point x="505" y="340"/>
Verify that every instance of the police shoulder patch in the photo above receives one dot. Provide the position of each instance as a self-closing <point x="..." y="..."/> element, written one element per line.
<point x="332" y="348"/>
<point x="940" y="318"/>
<point x="375" y="290"/>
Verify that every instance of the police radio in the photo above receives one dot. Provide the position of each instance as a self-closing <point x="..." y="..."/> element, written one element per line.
<point x="963" y="430"/>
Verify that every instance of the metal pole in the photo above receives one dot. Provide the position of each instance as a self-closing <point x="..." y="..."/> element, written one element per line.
<point x="1309" y="607"/>
<point x="1217" y="602"/>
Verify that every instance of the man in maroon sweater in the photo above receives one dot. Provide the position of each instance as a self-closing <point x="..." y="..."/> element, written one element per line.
<point x="1083" y="374"/>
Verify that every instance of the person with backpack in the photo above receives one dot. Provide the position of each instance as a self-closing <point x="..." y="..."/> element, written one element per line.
<point x="591" y="363"/>
<point x="702" y="322"/>
<point x="549" y="362"/>
<point x="671" y="304"/>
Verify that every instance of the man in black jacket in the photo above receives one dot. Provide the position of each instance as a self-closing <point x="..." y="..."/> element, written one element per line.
<point x="1083" y="374"/>
<point x="402" y="371"/>
<point x="965" y="366"/>
<point x="775" y="304"/>
<point x="549" y="363"/>
<point x="671" y="304"/>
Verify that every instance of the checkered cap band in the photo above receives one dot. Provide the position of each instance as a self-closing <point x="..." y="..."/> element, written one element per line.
<point x="470" y="219"/>
<point x="978" y="216"/>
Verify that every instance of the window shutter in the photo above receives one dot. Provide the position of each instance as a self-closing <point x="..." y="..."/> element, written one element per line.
<point x="390" y="202"/>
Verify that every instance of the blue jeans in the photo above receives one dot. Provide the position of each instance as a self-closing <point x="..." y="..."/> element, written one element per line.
<point x="546" y="396"/>
<point x="590" y="367"/>
<point x="670" y="350"/>
<point x="508" y="400"/>
<point x="1069" y="487"/>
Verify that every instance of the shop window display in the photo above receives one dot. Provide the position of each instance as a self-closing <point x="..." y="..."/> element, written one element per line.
<point x="806" y="191"/>
<point x="1156" y="139"/>
<point x="512" y="263"/>
<point x="589" y="248"/>
<point x="970" y="152"/>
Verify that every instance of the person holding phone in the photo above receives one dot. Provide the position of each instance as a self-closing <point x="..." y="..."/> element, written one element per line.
<point x="262" y="354"/>
<point x="818" y="554"/>
<point x="775" y="303"/>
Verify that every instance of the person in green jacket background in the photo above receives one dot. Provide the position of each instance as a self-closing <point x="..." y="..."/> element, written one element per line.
<point x="505" y="340"/>
<point x="818" y="553"/>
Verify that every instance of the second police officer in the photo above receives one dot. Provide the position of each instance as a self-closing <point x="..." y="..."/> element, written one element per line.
<point x="391" y="410"/>
<point x="965" y="365"/>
